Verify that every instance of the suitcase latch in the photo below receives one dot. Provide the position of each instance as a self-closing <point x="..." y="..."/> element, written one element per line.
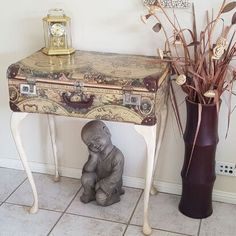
<point x="129" y="98"/>
<point x="29" y="88"/>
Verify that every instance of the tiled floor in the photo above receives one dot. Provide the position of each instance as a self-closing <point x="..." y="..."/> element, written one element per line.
<point x="62" y="213"/>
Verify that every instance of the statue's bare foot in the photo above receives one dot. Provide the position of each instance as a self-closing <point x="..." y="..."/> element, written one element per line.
<point x="86" y="198"/>
<point x="122" y="191"/>
<point x="114" y="199"/>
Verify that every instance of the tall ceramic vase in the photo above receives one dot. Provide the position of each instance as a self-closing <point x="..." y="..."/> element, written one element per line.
<point x="198" y="171"/>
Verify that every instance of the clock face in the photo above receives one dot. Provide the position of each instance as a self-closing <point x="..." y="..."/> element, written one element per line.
<point x="57" y="29"/>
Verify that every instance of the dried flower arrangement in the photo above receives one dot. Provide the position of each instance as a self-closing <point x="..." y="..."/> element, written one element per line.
<point x="203" y="65"/>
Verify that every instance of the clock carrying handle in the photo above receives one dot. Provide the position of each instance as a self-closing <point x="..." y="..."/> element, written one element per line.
<point x="85" y="103"/>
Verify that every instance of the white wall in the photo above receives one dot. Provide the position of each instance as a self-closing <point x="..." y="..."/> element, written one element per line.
<point x="105" y="25"/>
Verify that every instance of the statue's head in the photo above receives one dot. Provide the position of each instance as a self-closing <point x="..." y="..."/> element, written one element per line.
<point x="96" y="136"/>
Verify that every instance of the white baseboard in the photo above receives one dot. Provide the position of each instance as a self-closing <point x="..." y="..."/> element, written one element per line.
<point x="134" y="182"/>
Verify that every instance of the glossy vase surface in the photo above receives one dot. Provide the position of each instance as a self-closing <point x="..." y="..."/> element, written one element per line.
<point x="198" y="171"/>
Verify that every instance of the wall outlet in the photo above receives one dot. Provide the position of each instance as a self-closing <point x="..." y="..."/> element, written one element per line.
<point x="225" y="168"/>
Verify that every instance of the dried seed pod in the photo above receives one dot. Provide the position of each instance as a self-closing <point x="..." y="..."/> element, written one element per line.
<point x="218" y="51"/>
<point x="221" y="42"/>
<point x="181" y="79"/>
<point x="210" y="93"/>
<point x="153" y="9"/>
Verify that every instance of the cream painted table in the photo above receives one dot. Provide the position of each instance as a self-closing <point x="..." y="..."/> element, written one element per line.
<point x="92" y="85"/>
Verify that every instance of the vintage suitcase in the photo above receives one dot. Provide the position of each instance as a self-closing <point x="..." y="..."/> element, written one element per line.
<point x="93" y="85"/>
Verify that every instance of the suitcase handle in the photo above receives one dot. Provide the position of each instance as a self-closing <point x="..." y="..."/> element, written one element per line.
<point x="85" y="103"/>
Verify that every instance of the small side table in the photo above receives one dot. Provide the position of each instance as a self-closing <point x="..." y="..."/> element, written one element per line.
<point x="151" y="128"/>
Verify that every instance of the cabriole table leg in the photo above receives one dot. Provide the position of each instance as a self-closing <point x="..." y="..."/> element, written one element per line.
<point x="52" y="129"/>
<point x="16" y="120"/>
<point x="160" y="135"/>
<point x="149" y="135"/>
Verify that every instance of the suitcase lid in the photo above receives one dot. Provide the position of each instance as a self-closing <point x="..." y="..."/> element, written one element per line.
<point x="93" y="69"/>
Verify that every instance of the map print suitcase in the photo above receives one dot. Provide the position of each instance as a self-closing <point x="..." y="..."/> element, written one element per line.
<point x="93" y="85"/>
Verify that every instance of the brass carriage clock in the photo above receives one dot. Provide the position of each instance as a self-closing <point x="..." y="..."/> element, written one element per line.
<point x="57" y="34"/>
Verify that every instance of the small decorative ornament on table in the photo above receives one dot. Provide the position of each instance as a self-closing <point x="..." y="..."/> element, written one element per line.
<point x="57" y="34"/>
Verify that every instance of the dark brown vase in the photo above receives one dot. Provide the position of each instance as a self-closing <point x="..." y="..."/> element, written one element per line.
<point x="198" y="175"/>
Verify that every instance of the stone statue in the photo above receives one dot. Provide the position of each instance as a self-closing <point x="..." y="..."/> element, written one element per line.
<point x="102" y="173"/>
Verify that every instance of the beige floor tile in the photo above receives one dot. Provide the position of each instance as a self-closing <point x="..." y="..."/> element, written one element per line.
<point x="73" y="225"/>
<point x="119" y="212"/>
<point x="16" y="221"/>
<point x="52" y="195"/>
<point x="164" y="215"/>
<point x="221" y="222"/>
<point x="137" y="231"/>
<point x="9" y="180"/>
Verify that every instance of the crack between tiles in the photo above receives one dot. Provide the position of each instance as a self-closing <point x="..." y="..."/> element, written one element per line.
<point x="132" y="214"/>
<point x="62" y="213"/>
<point x="159" y="229"/>
<point x="132" y="187"/>
<point x="28" y="206"/>
<point x="15" y="190"/>
<point x="168" y="231"/>
<point x="95" y="218"/>
<point x="173" y="194"/>
<point x="199" y="228"/>
<point x="164" y="230"/>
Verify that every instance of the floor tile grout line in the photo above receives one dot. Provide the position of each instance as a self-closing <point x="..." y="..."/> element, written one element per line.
<point x="40" y="208"/>
<point x="164" y="230"/>
<point x="76" y="194"/>
<point x="173" y="194"/>
<point x="199" y="228"/>
<point x="95" y="218"/>
<point x="15" y="189"/>
<point x="132" y="214"/>
<point x="62" y="213"/>
<point x="104" y="219"/>
<point x="125" y="186"/>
